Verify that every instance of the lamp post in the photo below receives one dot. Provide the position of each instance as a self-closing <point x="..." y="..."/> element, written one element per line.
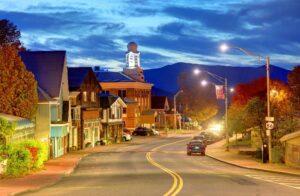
<point x="224" y="48"/>
<point x="224" y="81"/>
<point x="175" y="111"/>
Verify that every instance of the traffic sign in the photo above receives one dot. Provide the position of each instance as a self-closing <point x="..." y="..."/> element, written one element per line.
<point x="269" y="119"/>
<point x="270" y="125"/>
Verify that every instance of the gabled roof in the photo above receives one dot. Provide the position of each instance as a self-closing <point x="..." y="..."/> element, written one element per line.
<point x="47" y="67"/>
<point x="106" y="100"/>
<point x="76" y="76"/>
<point x="290" y="136"/>
<point x="108" y="76"/>
<point x="158" y="102"/>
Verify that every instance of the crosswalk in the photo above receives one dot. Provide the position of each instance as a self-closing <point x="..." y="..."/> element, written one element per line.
<point x="289" y="181"/>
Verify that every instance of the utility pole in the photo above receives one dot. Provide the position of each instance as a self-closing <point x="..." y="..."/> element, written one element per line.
<point x="226" y="115"/>
<point x="269" y="134"/>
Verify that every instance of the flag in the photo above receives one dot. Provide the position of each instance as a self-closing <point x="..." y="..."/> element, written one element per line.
<point x="220" y="92"/>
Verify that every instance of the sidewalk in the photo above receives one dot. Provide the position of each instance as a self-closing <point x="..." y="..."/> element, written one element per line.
<point x="217" y="151"/>
<point x="54" y="170"/>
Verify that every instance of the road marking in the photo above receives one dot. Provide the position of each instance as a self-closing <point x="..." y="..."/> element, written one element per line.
<point x="291" y="182"/>
<point x="177" y="180"/>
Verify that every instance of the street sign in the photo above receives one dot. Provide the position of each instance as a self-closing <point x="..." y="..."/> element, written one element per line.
<point x="270" y="125"/>
<point x="269" y="119"/>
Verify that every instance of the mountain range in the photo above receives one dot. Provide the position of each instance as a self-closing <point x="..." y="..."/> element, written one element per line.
<point x="165" y="78"/>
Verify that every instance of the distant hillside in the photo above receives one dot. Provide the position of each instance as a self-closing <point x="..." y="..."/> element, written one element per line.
<point x="165" y="78"/>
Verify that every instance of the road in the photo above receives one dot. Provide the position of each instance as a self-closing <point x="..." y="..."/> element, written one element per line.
<point x="161" y="167"/>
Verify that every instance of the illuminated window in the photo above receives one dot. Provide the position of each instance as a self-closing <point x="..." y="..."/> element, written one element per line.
<point x="93" y="97"/>
<point x="84" y="94"/>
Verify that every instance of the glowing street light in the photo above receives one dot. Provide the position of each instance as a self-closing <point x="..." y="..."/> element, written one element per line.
<point x="197" y="71"/>
<point x="224" y="47"/>
<point x="204" y="82"/>
<point x="231" y="90"/>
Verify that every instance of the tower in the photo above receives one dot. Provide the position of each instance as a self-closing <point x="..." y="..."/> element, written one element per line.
<point x="133" y="67"/>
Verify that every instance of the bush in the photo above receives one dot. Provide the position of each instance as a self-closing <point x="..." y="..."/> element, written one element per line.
<point x="25" y="156"/>
<point x="38" y="151"/>
<point x="19" y="161"/>
<point x="278" y="154"/>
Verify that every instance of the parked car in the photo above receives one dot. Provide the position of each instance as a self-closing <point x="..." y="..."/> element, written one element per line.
<point x="126" y="137"/>
<point x="200" y="137"/>
<point x="142" y="131"/>
<point x="195" y="147"/>
<point x="127" y="131"/>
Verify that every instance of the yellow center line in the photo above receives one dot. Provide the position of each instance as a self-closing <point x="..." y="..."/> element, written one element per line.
<point x="177" y="180"/>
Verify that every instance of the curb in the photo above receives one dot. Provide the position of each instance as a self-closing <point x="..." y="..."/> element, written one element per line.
<point x="251" y="168"/>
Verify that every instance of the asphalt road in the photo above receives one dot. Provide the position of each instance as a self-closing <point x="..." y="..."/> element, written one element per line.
<point x="161" y="167"/>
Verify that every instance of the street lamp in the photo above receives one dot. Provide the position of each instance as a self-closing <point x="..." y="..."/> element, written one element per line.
<point x="197" y="71"/>
<point x="175" y="111"/>
<point x="231" y="90"/>
<point x="225" y="48"/>
<point x="222" y="80"/>
<point x="203" y="82"/>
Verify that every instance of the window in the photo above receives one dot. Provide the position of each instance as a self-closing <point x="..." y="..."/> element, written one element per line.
<point x="122" y="93"/>
<point x="93" y="97"/>
<point x="124" y="111"/>
<point x="105" y="92"/>
<point x="84" y="94"/>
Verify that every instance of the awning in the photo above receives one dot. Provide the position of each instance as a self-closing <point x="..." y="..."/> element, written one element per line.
<point x="59" y="130"/>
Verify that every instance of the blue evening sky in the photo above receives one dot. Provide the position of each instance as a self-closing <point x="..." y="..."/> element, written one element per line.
<point x="96" y="32"/>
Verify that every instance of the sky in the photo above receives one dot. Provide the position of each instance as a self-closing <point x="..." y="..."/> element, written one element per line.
<point x="96" y="32"/>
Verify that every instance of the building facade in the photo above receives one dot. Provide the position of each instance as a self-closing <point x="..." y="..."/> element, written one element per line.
<point x="53" y="118"/>
<point x="112" y="108"/>
<point x="130" y="85"/>
<point x="85" y="107"/>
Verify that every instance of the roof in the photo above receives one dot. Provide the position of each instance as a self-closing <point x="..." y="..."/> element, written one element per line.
<point x="76" y="76"/>
<point x="43" y="96"/>
<point x="106" y="100"/>
<point x="290" y="136"/>
<point x="108" y="76"/>
<point x="47" y="67"/>
<point x="158" y="102"/>
<point x="128" y="100"/>
<point x="20" y="123"/>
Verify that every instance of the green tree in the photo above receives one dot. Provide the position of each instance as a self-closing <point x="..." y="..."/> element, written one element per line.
<point x="18" y="87"/>
<point x="255" y="113"/>
<point x="236" y="119"/>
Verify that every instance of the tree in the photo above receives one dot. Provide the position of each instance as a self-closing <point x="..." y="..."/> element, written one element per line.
<point x="198" y="102"/>
<point x="255" y="113"/>
<point x="236" y="119"/>
<point x="294" y="83"/>
<point x="18" y="88"/>
<point x="9" y="34"/>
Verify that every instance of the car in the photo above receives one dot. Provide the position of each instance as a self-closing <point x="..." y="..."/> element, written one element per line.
<point x="142" y="131"/>
<point x="195" y="147"/>
<point x="200" y="137"/>
<point x="126" y="137"/>
<point x="127" y="131"/>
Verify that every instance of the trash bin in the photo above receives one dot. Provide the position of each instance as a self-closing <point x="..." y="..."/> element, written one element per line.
<point x="265" y="152"/>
